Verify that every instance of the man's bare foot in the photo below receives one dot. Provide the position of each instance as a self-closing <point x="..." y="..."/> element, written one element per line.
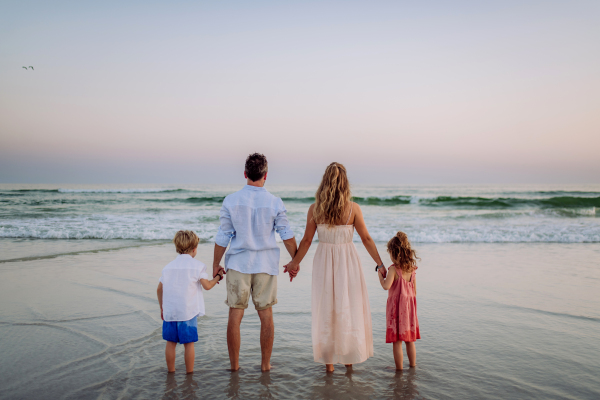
<point x="189" y="372"/>
<point x="234" y="370"/>
<point x="329" y="368"/>
<point x="266" y="368"/>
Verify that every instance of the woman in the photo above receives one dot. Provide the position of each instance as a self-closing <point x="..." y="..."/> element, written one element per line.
<point x="341" y="318"/>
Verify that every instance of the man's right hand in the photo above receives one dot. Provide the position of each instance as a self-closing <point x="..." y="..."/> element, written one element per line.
<point x="216" y="269"/>
<point x="291" y="269"/>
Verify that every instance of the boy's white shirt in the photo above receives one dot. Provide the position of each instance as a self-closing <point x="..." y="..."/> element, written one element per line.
<point x="182" y="291"/>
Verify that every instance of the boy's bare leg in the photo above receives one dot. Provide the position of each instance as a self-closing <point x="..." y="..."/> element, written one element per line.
<point x="190" y="354"/>
<point x="170" y="356"/>
<point x="398" y="356"/>
<point x="233" y="336"/>
<point x="267" y="335"/>
<point x="411" y="352"/>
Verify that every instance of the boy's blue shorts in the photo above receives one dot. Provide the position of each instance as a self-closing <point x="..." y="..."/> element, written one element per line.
<point x="181" y="331"/>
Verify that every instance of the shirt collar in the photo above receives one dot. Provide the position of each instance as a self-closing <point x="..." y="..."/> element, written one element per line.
<point x="184" y="255"/>
<point x="255" y="188"/>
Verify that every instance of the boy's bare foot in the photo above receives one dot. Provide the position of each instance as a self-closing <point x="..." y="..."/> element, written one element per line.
<point x="329" y="368"/>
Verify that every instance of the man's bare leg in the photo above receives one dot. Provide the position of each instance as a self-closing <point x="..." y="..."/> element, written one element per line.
<point x="233" y="336"/>
<point x="267" y="335"/>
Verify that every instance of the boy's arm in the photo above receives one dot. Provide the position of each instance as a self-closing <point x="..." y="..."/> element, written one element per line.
<point x="209" y="284"/>
<point x="159" y="294"/>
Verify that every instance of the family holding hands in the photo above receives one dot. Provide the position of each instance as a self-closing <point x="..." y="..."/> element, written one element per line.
<point x="341" y="316"/>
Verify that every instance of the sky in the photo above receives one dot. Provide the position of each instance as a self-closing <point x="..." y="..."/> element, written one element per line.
<point x="429" y="92"/>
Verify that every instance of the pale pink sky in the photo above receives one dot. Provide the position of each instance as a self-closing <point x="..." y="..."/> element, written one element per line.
<point x="400" y="93"/>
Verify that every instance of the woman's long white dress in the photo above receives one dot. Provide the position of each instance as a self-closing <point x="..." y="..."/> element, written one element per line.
<point x="341" y="317"/>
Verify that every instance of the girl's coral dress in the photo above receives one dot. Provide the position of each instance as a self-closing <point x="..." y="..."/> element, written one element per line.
<point x="401" y="311"/>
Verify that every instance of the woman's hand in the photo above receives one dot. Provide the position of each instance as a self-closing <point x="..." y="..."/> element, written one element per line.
<point x="292" y="269"/>
<point x="382" y="271"/>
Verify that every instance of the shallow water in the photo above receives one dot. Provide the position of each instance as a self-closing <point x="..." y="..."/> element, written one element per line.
<point x="498" y="320"/>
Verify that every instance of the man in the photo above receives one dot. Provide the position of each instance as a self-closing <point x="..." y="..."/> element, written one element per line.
<point x="249" y="220"/>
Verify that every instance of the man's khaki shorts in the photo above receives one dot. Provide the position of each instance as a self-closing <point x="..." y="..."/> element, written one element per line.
<point x="239" y="286"/>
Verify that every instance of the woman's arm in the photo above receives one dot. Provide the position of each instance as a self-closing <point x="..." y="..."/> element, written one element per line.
<point x="386" y="283"/>
<point x="361" y="229"/>
<point x="309" y="233"/>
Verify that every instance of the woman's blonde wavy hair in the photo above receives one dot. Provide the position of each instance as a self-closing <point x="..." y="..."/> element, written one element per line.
<point x="401" y="252"/>
<point x="333" y="196"/>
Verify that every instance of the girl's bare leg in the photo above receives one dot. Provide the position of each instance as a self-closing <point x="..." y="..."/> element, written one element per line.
<point x="411" y="352"/>
<point x="328" y="367"/>
<point x="170" y="356"/>
<point x="190" y="354"/>
<point x="398" y="356"/>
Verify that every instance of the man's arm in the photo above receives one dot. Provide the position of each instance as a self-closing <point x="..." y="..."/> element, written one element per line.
<point x="291" y="246"/>
<point x="224" y="235"/>
<point x="219" y="251"/>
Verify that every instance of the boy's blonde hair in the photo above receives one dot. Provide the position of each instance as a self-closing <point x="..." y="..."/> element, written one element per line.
<point x="185" y="241"/>
<point x="401" y="252"/>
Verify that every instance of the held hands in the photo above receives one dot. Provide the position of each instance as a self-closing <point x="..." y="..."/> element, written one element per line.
<point x="218" y="270"/>
<point x="382" y="271"/>
<point x="291" y="269"/>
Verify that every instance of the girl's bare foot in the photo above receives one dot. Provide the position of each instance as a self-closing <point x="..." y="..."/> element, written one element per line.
<point x="329" y="368"/>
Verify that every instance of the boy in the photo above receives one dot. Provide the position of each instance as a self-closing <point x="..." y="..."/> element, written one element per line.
<point x="180" y="298"/>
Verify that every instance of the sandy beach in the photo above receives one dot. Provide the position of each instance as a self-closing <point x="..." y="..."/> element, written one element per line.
<point x="498" y="321"/>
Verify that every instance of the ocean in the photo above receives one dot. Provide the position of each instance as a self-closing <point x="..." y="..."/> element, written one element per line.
<point x="508" y="300"/>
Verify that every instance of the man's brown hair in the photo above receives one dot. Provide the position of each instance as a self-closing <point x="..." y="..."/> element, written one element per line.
<point x="256" y="167"/>
<point x="185" y="241"/>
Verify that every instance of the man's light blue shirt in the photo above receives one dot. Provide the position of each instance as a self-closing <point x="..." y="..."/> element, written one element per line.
<point x="249" y="219"/>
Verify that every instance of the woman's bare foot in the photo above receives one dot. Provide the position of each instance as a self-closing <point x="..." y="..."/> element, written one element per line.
<point x="329" y="368"/>
<point x="348" y="366"/>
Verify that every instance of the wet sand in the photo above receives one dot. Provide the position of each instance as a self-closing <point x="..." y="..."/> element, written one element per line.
<point x="497" y="321"/>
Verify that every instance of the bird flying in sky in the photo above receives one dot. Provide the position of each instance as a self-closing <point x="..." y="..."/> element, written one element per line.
<point x="25" y="67"/>
<point x="30" y="67"/>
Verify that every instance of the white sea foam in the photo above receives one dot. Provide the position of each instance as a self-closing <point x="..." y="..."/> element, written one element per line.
<point x="141" y="190"/>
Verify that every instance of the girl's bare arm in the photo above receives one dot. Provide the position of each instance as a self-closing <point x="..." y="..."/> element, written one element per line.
<point x="386" y="282"/>
<point x="361" y="229"/>
<point x="415" y="284"/>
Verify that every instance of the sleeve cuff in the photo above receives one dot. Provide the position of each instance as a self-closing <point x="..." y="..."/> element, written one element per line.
<point x="286" y="234"/>
<point x="204" y="275"/>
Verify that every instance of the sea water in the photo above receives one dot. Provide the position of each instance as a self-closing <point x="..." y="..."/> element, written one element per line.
<point x="507" y="296"/>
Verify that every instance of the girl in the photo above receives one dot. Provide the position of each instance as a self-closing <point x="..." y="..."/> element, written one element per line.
<point x="401" y="310"/>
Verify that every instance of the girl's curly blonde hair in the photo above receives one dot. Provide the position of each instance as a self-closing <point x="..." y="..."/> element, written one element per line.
<point x="333" y="196"/>
<point x="401" y="252"/>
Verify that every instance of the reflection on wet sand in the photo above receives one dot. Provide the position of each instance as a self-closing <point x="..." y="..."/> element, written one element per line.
<point x="404" y="385"/>
<point x="188" y="389"/>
